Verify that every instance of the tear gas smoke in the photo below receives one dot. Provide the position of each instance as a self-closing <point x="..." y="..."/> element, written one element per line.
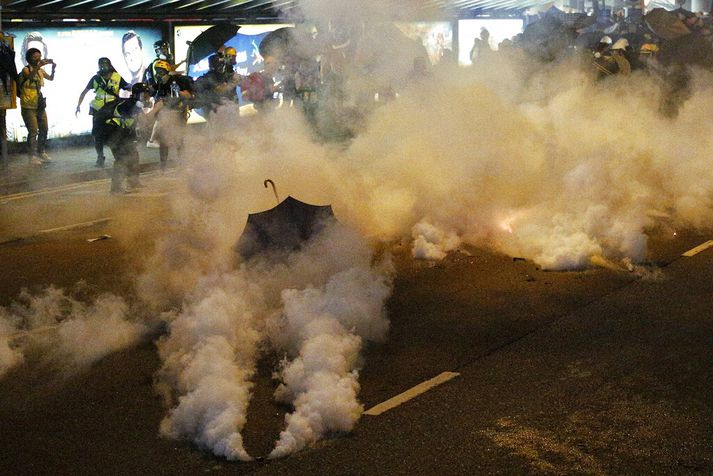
<point x="327" y="293"/>
<point x="431" y="243"/>
<point x="65" y="331"/>
<point x="537" y="161"/>
<point x="328" y="326"/>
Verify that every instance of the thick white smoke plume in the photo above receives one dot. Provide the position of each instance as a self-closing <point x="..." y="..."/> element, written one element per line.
<point x="317" y="305"/>
<point x="432" y="243"/>
<point x="65" y="331"/>
<point x="328" y="326"/>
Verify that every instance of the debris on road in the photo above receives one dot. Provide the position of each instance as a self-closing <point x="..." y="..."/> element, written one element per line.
<point x="99" y="238"/>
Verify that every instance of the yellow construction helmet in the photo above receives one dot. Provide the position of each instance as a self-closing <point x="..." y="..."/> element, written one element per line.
<point x="160" y="64"/>
<point x="649" y="49"/>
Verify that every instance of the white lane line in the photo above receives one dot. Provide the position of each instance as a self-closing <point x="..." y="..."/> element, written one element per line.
<point x="76" y="225"/>
<point x="410" y="393"/>
<point x="699" y="248"/>
<point x="47" y="191"/>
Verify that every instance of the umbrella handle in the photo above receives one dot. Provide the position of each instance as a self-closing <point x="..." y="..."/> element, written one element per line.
<point x="274" y="190"/>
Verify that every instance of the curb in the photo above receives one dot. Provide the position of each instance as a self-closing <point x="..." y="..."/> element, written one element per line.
<point x="55" y="180"/>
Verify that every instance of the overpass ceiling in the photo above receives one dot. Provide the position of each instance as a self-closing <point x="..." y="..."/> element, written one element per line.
<point x="237" y="9"/>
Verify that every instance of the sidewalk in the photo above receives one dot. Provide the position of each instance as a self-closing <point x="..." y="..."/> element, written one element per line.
<point x="69" y="164"/>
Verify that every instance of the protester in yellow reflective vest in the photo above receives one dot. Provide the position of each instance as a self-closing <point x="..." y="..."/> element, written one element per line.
<point x="119" y="132"/>
<point x="106" y="85"/>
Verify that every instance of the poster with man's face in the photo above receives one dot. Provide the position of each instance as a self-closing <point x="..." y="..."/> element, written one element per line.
<point x="76" y="52"/>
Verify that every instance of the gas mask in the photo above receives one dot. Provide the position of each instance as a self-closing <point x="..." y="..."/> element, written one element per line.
<point x="105" y="66"/>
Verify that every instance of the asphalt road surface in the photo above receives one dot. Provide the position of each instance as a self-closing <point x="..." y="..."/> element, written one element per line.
<point x="602" y="371"/>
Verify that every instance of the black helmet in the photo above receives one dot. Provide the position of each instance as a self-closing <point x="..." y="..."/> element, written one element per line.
<point x="161" y="47"/>
<point x="137" y="89"/>
<point x="105" y="65"/>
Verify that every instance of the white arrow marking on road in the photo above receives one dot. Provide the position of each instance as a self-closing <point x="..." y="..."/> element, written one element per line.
<point x="699" y="248"/>
<point x="410" y="393"/>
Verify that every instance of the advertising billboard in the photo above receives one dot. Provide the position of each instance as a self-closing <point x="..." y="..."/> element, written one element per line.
<point x="499" y="30"/>
<point x="76" y="50"/>
<point x="437" y="37"/>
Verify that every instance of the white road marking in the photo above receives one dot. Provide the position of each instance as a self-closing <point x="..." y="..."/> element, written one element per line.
<point x="77" y="225"/>
<point x="410" y="393"/>
<point x="698" y="249"/>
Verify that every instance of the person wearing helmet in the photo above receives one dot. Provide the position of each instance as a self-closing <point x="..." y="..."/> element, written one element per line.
<point x="119" y="130"/>
<point x="602" y="47"/>
<point x="648" y="55"/>
<point x="174" y="101"/>
<point x="218" y="85"/>
<point x="164" y="59"/>
<point x="163" y="51"/>
<point x="230" y="58"/>
<point x="619" y="54"/>
<point x="612" y="61"/>
<point x="106" y="84"/>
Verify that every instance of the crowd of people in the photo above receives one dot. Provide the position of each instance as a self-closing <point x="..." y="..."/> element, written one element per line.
<point x="160" y="102"/>
<point x="163" y="98"/>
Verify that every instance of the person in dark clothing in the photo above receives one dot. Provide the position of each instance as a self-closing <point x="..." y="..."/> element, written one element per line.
<point x="163" y="58"/>
<point x="119" y="132"/>
<point x="174" y="101"/>
<point x="106" y="85"/>
<point x="217" y="86"/>
<point x="8" y="69"/>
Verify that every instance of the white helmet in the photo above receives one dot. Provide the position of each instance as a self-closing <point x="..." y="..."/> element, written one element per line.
<point x="621" y="44"/>
<point x="606" y="40"/>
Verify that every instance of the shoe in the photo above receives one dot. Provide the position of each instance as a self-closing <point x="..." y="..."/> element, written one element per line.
<point x="35" y="161"/>
<point x="118" y="191"/>
<point x="45" y="158"/>
<point x="100" y="162"/>
<point x="135" y="186"/>
<point x="153" y="145"/>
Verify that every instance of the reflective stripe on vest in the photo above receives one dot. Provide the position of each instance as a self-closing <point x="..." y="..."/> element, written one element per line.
<point x="103" y="96"/>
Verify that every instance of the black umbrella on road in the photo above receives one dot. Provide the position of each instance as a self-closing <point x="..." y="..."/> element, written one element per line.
<point x="284" y="228"/>
<point x="210" y="41"/>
